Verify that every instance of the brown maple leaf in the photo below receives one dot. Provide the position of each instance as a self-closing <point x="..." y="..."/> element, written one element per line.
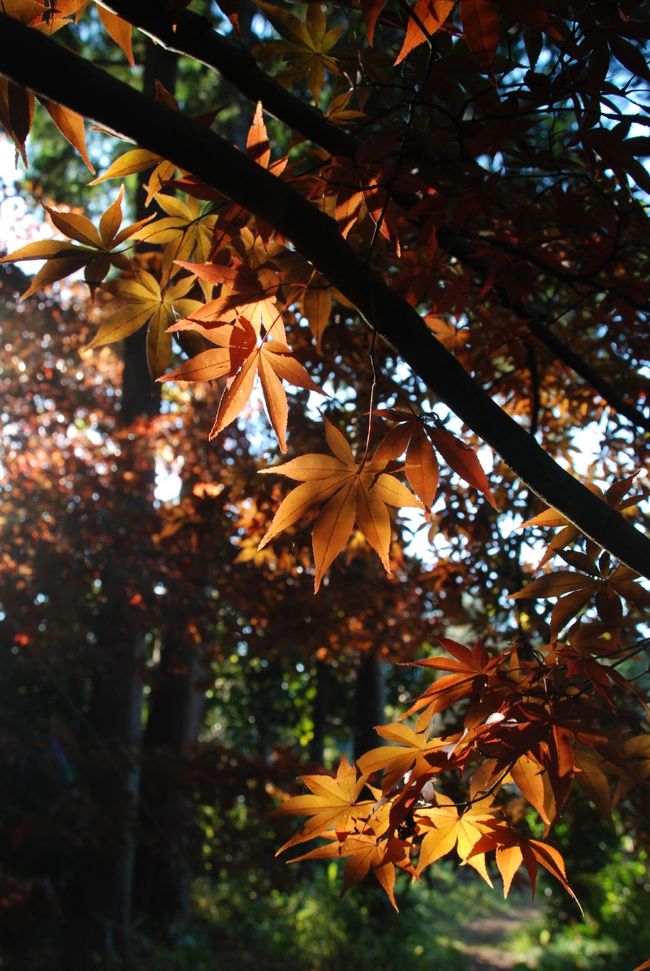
<point x="418" y="440"/>
<point x="471" y="669"/>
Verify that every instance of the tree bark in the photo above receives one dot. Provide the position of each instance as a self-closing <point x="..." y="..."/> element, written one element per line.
<point x="194" y="37"/>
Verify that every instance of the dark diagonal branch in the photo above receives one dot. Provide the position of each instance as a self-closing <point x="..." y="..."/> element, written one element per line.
<point x="545" y="335"/>
<point x="195" y="37"/>
<point x="37" y="62"/>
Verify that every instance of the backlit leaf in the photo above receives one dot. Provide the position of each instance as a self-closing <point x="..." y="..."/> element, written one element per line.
<point x="462" y="460"/>
<point x="71" y="125"/>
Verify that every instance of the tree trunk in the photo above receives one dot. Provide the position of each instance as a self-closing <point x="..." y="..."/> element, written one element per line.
<point x="319" y="713"/>
<point x="100" y="898"/>
<point x="368" y="703"/>
<point x="163" y="869"/>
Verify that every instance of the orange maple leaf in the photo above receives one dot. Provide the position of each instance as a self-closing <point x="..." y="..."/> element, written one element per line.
<point x="427" y="14"/>
<point x="242" y="355"/>
<point x="408" y="753"/>
<point x="445" y="829"/>
<point x="512" y="850"/>
<point x="368" y="853"/>
<point x="350" y="492"/>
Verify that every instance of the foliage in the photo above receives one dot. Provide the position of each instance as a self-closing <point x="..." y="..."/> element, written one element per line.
<point x="614" y="931"/>
<point x="471" y="204"/>
<point x="306" y="927"/>
<point x="613" y="935"/>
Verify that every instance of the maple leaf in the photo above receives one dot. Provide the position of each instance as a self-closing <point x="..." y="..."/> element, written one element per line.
<point x="351" y="492"/>
<point x="273" y="362"/>
<point x="614" y="496"/>
<point x="16" y="114"/>
<point x="427" y="14"/>
<point x="118" y="29"/>
<point x="17" y="104"/>
<point x="528" y="775"/>
<point x="96" y="251"/>
<point x="258" y="146"/>
<point x="245" y="291"/>
<point x="417" y="439"/>
<point x="471" y="669"/>
<point x="637" y="766"/>
<point x="317" y="308"/>
<point x="186" y="231"/>
<point x="71" y="126"/>
<point x="367" y="854"/>
<point x="512" y="850"/>
<point x="371" y="10"/>
<point x="147" y="303"/>
<point x="306" y="45"/>
<point x="139" y="160"/>
<point x="331" y="805"/>
<point x="445" y="828"/>
<point x="408" y="753"/>
<point x="245" y="301"/>
<point x="481" y="29"/>
<point x="575" y="589"/>
<point x="592" y="779"/>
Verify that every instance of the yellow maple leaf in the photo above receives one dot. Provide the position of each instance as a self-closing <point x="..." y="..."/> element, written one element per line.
<point x="146" y="302"/>
<point x="332" y="804"/>
<point x="92" y="248"/>
<point x="306" y="44"/>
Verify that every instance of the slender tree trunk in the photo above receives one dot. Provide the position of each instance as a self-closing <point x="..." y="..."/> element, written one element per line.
<point x="368" y="703"/>
<point x="99" y="895"/>
<point x="100" y="899"/>
<point x="163" y="873"/>
<point x="319" y="713"/>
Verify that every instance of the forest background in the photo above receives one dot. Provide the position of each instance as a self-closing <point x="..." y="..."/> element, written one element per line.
<point x="165" y="681"/>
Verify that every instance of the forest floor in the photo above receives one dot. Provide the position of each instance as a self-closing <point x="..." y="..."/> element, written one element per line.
<point x="486" y="939"/>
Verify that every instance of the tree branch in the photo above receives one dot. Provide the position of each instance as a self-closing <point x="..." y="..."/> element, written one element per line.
<point x="195" y="37"/>
<point x="545" y="335"/>
<point x="35" y="61"/>
<point x="464" y="250"/>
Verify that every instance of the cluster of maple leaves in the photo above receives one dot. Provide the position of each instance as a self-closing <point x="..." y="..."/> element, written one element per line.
<point x="242" y="326"/>
<point x="234" y="293"/>
<point x="531" y="727"/>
